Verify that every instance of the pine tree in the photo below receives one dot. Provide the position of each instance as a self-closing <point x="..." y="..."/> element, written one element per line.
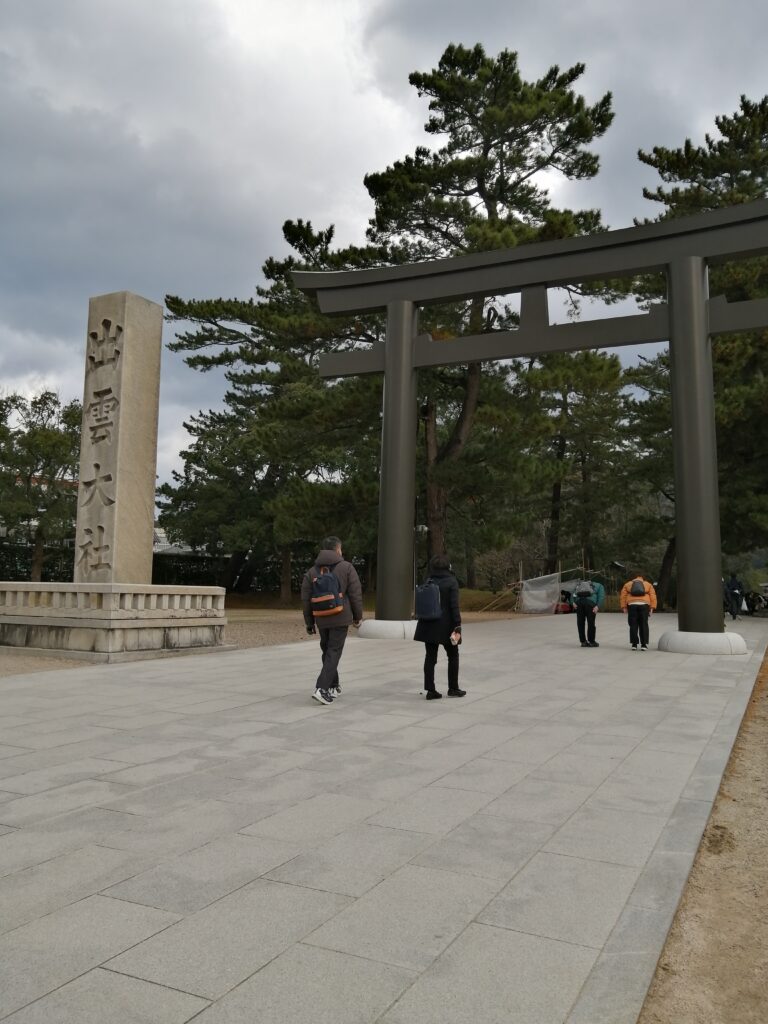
<point x="272" y="472"/>
<point x="481" y="190"/>
<point x="39" y="464"/>
<point x="725" y="171"/>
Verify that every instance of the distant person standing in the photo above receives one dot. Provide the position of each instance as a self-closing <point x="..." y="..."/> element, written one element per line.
<point x="332" y="601"/>
<point x="638" y="601"/>
<point x="587" y="598"/>
<point x="735" y="590"/>
<point x="444" y="628"/>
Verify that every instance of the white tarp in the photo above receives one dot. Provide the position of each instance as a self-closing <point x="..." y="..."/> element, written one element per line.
<point x="540" y="594"/>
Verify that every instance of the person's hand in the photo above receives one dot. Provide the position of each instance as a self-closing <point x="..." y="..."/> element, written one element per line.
<point x="311" y="629"/>
<point x="594" y="610"/>
<point x="624" y="611"/>
<point x="356" y="624"/>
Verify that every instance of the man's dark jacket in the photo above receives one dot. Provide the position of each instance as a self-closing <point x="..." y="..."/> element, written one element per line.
<point x="350" y="587"/>
<point x="438" y="631"/>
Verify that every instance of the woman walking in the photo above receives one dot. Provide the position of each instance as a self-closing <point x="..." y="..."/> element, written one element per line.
<point x="445" y="630"/>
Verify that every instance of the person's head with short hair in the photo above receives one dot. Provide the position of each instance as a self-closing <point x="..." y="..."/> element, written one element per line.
<point x="439" y="563"/>
<point x="332" y="544"/>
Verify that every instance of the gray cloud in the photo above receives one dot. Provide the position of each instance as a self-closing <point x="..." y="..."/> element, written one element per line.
<point x="158" y="147"/>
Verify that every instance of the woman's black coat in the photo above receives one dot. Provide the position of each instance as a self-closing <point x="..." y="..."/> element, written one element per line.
<point x="438" y="631"/>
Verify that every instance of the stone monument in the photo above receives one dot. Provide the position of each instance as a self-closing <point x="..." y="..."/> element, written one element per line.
<point x="111" y="612"/>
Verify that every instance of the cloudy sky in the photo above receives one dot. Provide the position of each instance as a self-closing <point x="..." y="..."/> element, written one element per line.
<point x="157" y="146"/>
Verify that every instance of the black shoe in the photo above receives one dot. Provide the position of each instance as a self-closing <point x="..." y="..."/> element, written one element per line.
<point x="593" y="643"/>
<point x="584" y="643"/>
<point x="434" y="695"/>
<point x="457" y="693"/>
<point x="643" y="647"/>
<point x="634" y="647"/>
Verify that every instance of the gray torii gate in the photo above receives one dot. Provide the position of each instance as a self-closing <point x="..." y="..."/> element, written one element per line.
<point x="683" y="249"/>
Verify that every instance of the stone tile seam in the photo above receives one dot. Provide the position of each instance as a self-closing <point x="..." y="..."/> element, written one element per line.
<point x="100" y="967"/>
<point x="303" y="940"/>
<point x="90" y="896"/>
<point x="648" y="969"/>
<point x="156" y="984"/>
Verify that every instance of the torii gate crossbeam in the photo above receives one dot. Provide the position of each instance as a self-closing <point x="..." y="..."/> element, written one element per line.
<point x="683" y="249"/>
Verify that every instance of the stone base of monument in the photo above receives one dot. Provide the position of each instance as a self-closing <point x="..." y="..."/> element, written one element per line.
<point x="676" y="642"/>
<point x="107" y="622"/>
<point x="387" y="629"/>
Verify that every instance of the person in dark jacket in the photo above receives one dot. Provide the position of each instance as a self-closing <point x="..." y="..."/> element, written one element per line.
<point x="446" y="630"/>
<point x="735" y="591"/>
<point x="334" y="634"/>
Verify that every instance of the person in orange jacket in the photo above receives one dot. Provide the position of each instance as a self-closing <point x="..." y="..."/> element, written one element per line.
<point x="638" y="602"/>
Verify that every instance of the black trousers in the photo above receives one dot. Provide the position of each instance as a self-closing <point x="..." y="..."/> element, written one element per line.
<point x="638" y="623"/>
<point x="331" y="644"/>
<point x="430" y="660"/>
<point x="586" y="623"/>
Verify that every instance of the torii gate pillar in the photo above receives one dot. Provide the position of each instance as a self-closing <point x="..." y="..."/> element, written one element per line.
<point x="397" y="495"/>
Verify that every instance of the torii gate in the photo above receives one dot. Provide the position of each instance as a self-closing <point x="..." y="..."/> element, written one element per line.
<point x="682" y="248"/>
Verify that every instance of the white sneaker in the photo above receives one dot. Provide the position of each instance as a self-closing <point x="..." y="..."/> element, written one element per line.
<point x="335" y="691"/>
<point x="323" y="696"/>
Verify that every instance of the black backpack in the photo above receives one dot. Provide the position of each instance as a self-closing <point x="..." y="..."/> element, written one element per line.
<point x="637" y="589"/>
<point x="427" y="601"/>
<point x="326" y="598"/>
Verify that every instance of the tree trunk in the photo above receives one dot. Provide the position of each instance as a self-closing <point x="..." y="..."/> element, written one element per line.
<point x="553" y="533"/>
<point x="588" y="556"/>
<point x="437" y="495"/>
<point x="38" y="558"/>
<point x="437" y="519"/>
<point x="471" y="567"/>
<point x="285" y="575"/>
<point x="665" y="573"/>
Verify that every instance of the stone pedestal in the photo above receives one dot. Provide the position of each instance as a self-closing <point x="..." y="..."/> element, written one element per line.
<point x="110" y="621"/>
<point x="387" y="629"/>
<point x="677" y="642"/>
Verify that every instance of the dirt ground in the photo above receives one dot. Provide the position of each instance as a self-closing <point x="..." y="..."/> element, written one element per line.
<point x="714" y="966"/>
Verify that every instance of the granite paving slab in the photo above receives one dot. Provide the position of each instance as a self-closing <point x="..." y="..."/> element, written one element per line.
<point x="409" y="918"/>
<point x="52" y="950"/>
<point x="308" y="985"/>
<point x="102" y="996"/>
<point x="197" y="839"/>
<point x="497" y="977"/>
<point x="192" y="880"/>
<point x="211" y="951"/>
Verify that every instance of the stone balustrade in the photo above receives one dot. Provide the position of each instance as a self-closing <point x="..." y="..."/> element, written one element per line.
<point x="110" y="621"/>
<point x="115" y="600"/>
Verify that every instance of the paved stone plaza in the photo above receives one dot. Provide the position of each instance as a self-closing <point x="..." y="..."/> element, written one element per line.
<point x="194" y="838"/>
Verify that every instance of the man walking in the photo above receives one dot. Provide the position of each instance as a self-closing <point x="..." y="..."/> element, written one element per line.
<point x="332" y="600"/>
<point x="587" y="597"/>
<point x="638" y="601"/>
